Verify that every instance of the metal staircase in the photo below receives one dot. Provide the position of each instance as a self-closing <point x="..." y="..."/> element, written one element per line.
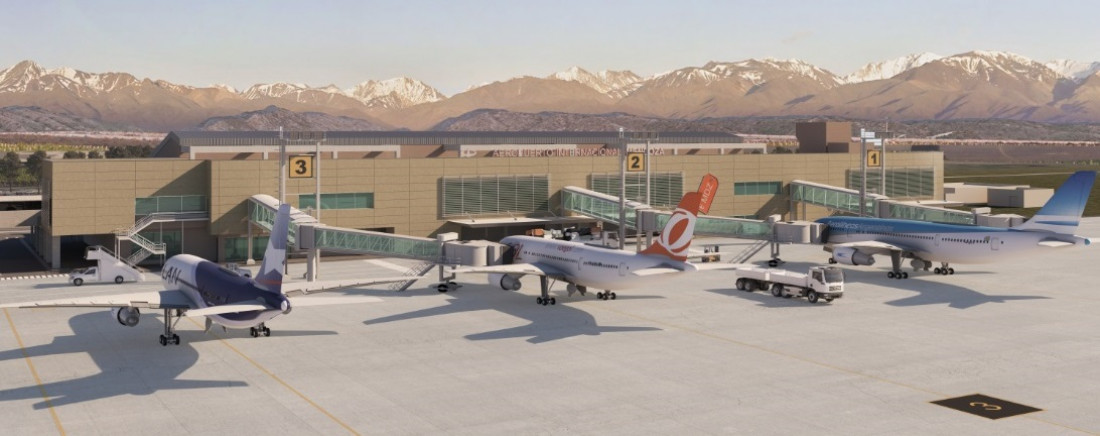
<point x="144" y="246"/>
<point x="750" y="251"/>
<point x="418" y="270"/>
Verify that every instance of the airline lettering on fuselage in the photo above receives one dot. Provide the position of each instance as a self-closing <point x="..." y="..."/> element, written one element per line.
<point x="860" y="228"/>
<point x="171" y="274"/>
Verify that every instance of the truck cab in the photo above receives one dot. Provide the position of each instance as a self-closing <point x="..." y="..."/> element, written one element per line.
<point x="826" y="282"/>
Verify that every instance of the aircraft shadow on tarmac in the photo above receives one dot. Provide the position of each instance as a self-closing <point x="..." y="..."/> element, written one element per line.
<point x="546" y="323"/>
<point x="130" y="363"/>
<point x="927" y="292"/>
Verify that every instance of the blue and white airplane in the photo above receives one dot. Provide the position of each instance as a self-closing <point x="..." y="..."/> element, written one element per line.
<point x="194" y="286"/>
<point x="856" y="240"/>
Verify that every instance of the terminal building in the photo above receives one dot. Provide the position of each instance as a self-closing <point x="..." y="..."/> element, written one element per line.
<point x="193" y="195"/>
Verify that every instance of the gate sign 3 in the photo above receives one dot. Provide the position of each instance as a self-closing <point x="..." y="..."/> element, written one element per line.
<point x="635" y="162"/>
<point x="873" y="158"/>
<point x="300" y="167"/>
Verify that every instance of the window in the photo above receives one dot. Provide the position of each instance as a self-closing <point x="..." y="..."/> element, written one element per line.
<point x="463" y="196"/>
<point x="350" y="200"/>
<point x="757" y="188"/>
<point x="900" y="182"/>
<point x="665" y="189"/>
<point x="170" y="204"/>
<point x="236" y="249"/>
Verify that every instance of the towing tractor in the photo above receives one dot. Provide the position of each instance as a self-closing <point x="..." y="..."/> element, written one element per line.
<point x="825" y="282"/>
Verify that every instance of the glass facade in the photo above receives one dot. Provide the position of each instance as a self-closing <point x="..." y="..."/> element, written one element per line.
<point x="757" y="188"/>
<point x="901" y="183"/>
<point x="599" y="208"/>
<point x="464" y="196"/>
<point x="665" y="189"/>
<point x="349" y="200"/>
<point x="829" y="198"/>
<point x="172" y="240"/>
<point x="171" y="204"/>
<point x="919" y="213"/>
<point x="236" y="249"/>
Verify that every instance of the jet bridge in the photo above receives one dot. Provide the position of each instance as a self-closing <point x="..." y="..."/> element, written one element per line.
<point x="306" y="233"/>
<point x="847" y="200"/>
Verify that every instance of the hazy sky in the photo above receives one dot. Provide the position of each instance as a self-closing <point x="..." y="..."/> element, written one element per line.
<point x="454" y="44"/>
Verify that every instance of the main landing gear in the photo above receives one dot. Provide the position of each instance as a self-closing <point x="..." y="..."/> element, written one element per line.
<point x="446" y="287"/>
<point x="169" y="337"/>
<point x="895" y="263"/>
<point x="545" y="299"/>
<point x="259" y="330"/>
<point x="944" y="270"/>
<point x="606" y="295"/>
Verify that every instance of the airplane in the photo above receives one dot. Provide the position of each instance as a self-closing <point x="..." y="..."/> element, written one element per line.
<point x="583" y="266"/>
<point x="856" y="240"/>
<point x="194" y="286"/>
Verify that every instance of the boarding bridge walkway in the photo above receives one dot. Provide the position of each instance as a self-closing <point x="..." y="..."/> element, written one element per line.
<point x="847" y="201"/>
<point x="352" y="241"/>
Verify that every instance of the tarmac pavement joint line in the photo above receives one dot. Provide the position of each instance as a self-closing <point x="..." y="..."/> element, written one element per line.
<point x="273" y="376"/>
<point x="814" y="362"/>
<point x="34" y="373"/>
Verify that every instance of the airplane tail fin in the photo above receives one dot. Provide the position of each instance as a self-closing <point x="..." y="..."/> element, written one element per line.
<point x="676" y="236"/>
<point x="271" y="270"/>
<point x="1062" y="213"/>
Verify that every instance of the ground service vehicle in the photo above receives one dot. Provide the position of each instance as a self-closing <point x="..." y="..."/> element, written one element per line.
<point x="108" y="268"/>
<point x="820" y="282"/>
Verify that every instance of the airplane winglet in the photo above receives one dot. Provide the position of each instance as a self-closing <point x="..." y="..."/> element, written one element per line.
<point x="676" y="236"/>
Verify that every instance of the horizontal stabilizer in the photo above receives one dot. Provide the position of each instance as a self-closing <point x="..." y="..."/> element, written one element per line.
<point x="306" y="288"/>
<point x="646" y="272"/>
<point x="334" y="300"/>
<point x="226" y="308"/>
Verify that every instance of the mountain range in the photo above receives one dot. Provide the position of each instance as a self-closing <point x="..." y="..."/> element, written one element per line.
<point x="925" y="86"/>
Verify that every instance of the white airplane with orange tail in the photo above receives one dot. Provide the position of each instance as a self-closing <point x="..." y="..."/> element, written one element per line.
<point x="584" y="266"/>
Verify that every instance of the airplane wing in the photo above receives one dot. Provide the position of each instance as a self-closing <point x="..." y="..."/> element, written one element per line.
<point x="712" y="266"/>
<point x="145" y="300"/>
<point x="516" y="268"/>
<point x="226" y="308"/>
<point x="305" y="288"/>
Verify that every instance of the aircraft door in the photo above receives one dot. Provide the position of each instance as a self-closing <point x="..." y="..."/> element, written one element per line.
<point x="936" y="240"/>
<point x="995" y="244"/>
<point x="622" y="269"/>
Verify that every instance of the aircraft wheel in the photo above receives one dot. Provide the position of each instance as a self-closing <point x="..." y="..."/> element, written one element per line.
<point x="773" y="263"/>
<point x="613" y="295"/>
<point x="811" y="296"/>
<point x="951" y="270"/>
<point x="267" y="331"/>
<point x="538" y="300"/>
<point x="78" y="282"/>
<point x="890" y="274"/>
<point x="599" y="295"/>
<point x="938" y="270"/>
<point x="252" y="331"/>
<point x="904" y="275"/>
<point x="176" y="338"/>
<point x="832" y="261"/>
<point x="442" y="288"/>
<point x="553" y="301"/>
<point x="163" y="340"/>
<point x="777" y="290"/>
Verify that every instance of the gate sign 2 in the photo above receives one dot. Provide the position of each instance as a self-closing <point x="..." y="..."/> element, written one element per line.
<point x="300" y="167"/>
<point x="873" y="158"/>
<point x="635" y="162"/>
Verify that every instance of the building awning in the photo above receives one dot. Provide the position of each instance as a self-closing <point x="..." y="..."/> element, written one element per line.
<point x="522" y="221"/>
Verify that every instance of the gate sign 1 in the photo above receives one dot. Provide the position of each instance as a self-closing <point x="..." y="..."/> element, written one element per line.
<point x="873" y="158"/>
<point x="635" y="162"/>
<point x="300" y="167"/>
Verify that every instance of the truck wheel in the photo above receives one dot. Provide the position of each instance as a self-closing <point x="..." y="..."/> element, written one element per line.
<point x="78" y="281"/>
<point x="741" y="285"/>
<point x="811" y="296"/>
<point x="118" y="280"/>
<point x="777" y="290"/>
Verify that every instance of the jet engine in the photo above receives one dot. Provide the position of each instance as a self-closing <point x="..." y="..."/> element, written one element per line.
<point x="507" y="282"/>
<point x="127" y="316"/>
<point x="851" y="256"/>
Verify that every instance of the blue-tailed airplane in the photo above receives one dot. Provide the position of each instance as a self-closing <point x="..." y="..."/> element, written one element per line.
<point x="856" y="240"/>
<point x="196" y="287"/>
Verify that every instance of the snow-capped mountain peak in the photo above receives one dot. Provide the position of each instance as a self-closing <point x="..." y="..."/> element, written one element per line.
<point x="613" y="83"/>
<point x="1073" y="70"/>
<point x="395" y="93"/>
<point x="889" y="68"/>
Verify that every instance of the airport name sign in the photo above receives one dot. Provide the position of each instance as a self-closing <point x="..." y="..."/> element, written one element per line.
<point x="565" y="152"/>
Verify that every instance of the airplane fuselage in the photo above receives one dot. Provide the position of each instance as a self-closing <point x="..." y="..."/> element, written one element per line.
<point x="941" y="242"/>
<point x="207" y="285"/>
<point x="591" y="266"/>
